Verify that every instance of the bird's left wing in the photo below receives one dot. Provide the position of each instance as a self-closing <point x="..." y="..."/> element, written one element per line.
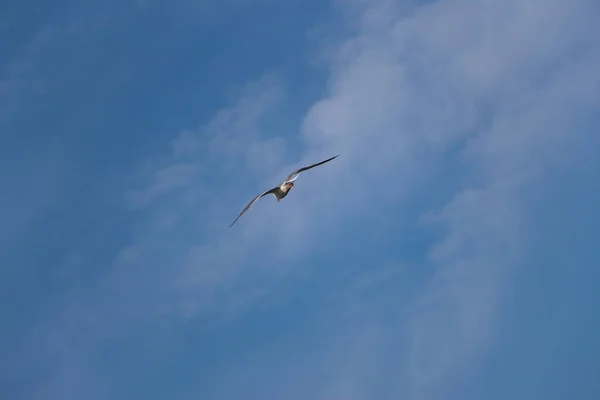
<point x="254" y="200"/>
<point x="292" y="177"/>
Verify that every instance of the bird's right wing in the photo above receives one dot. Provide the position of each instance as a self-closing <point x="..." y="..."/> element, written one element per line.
<point x="254" y="200"/>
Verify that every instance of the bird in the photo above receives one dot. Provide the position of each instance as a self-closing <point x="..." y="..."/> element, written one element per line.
<point x="279" y="192"/>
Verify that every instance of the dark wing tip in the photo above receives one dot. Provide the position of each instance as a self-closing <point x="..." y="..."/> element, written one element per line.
<point x="236" y="220"/>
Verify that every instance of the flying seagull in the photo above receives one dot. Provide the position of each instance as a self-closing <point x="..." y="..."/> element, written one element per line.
<point x="279" y="192"/>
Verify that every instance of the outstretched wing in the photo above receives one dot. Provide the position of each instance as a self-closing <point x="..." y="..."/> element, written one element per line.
<point x="292" y="177"/>
<point x="254" y="200"/>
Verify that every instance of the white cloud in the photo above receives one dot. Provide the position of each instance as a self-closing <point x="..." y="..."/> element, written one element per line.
<point x="486" y="89"/>
<point x="506" y="80"/>
<point x="490" y="89"/>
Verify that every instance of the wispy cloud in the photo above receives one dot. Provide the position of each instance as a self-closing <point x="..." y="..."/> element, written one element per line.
<point x="165" y="180"/>
<point x="170" y="248"/>
<point x="504" y="82"/>
<point x="488" y="90"/>
<point x="445" y="115"/>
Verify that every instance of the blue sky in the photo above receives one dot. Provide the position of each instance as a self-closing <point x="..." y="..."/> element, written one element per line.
<point x="448" y="253"/>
